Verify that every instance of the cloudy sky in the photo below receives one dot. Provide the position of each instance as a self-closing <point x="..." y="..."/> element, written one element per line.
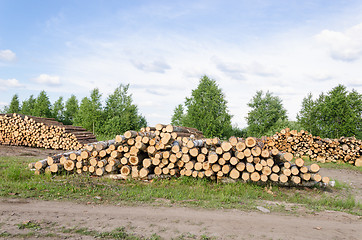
<point x="162" y="48"/>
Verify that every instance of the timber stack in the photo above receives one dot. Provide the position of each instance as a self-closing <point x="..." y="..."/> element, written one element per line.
<point x="23" y="130"/>
<point x="344" y="149"/>
<point x="166" y="150"/>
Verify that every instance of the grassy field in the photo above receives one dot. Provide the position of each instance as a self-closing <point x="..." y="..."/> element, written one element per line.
<point x="19" y="182"/>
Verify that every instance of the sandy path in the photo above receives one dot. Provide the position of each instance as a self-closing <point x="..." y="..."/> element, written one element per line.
<point x="172" y="222"/>
<point x="352" y="178"/>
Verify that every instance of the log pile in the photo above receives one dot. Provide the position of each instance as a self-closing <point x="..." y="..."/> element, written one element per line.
<point x="302" y="143"/>
<point x="167" y="150"/>
<point x="22" y="130"/>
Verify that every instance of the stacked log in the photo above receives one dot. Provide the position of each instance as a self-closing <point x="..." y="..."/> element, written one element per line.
<point x="163" y="151"/>
<point x="22" y="130"/>
<point x="344" y="149"/>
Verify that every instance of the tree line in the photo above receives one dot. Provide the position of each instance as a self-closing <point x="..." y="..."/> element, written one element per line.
<point x="333" y="114"/>
<point x="118" y="115"/>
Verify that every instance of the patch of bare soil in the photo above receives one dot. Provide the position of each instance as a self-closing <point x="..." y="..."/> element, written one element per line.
<point x="349" y="177"/>
<point x="174" y="222"/>
<point x="22" y="151"/>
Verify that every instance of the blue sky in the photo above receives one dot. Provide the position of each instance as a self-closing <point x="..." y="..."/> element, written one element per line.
<point x="162" y="48"/>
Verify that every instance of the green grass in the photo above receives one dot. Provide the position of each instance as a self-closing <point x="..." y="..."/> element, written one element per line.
<point x="118" y="233"/>
<point x="35" y="230"/>
<point x="29" y="225"/>
<point x="17" y="181"/>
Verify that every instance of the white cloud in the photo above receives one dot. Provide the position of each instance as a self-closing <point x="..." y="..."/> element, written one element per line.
<point x="48" y="80"/>
<point x="233" y="70"/>
<point x="7" y="55"/>
<point x="158" y="66"/>
<point x="321" y="76"/>
<point x="344" y="46"/>
<point x="239" y="71"/>
<point x="282" y="90"/>
<point x="354" y="83"/>
<point x="10" y="83"/>
<point x="262" y="70"/>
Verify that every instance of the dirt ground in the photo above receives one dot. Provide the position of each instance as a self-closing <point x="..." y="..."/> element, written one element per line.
<point x="39" y="153"/>
<point x="173" y="222"/>
<point x="176" y="221"/>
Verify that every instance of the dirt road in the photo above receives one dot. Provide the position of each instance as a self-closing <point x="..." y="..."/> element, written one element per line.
<point x="171" y="222"/>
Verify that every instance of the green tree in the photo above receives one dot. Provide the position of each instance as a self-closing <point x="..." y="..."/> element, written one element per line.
<point x="142" y="121"/>
<point x="58" y="109"/>
<point x="282" y="124"/>
<point x="207" y="110"/>
<point x="27" y="108"/>
<point x="42" y="106"/>
<point x="71" y="110"/>
<point x="266" y="110"/>
<point x="84" y="117"/>
<point x="14" y="106"/>
<point x="355" y="103"/>
<point x="90" y="112"/>
<point x="335" y="114"/>
<point x="178" y="116"/>
<point x="120" y="113"/>
<point x="238" y="132"/>
<point x="305" y="115"/>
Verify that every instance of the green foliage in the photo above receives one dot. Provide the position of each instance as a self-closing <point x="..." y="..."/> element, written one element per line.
<point x="58" y="110"/>
<point x="84" y="117"/>
<point x="207" y="110"/>
<point x="281" y="124"/>
<point x="120" y="114"/>
<point x="306" y="113"/>
<point x="89" y="114"/>
<point x="29" y="225"/>
<point x="42" y="106"/>
<point x="14" y="106"/>
<point x="238" y="132"/>
<point x="267" y="112"/>
<point x="335" y="114"/>
<point x="142" y="122"/>
<point x="28" y="106"/>
<point x="71" y="109"/>
<point x="178" y="116"/>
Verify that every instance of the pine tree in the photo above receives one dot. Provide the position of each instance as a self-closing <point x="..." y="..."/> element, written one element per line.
<point x="42" y="107"/>
<point x="178" y="116"/>
<point x="28" y="106"/>
<point x="71" y="110"/>
<point x="14" y="106"/>
<point x="58" y="109"/>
